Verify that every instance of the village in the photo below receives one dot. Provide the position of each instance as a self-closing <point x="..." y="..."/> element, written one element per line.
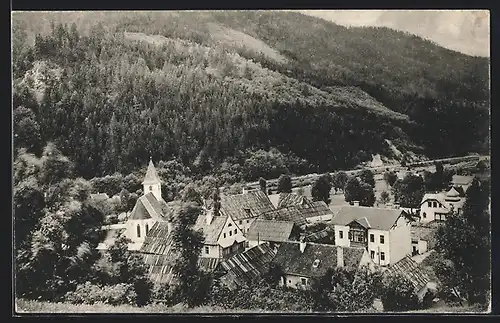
<point x="258" y="228"/>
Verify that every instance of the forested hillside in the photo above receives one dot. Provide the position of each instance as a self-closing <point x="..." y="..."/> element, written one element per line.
<point x="215" y="89"/>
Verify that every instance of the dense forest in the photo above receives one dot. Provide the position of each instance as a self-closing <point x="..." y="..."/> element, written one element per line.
<point x="224" y="91"/>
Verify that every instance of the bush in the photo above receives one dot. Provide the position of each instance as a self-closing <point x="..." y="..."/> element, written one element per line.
<point x="398" y="294"/>
<point x="89" y="293"/>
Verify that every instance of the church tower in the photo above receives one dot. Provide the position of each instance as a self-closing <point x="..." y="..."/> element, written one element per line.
<point x="152" y="183"/>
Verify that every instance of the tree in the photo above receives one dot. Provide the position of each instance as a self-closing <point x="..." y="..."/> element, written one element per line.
<point x="398" y="294"/>
<point x="390" y="178"/>
<point x="55" y="166"/>
<point x="26" y="130"/>
<point x="263" y="185"/>
<point x="190" y="194"/>
<point x="29" y="207"/>
<point x="384" y="197"/>
<point x="339" y="180"/>
<point x="216" y="201"/>
<point x="187" y="245"/>
<point x="368" y="177"/>
<point x="464" y="242"/>
<point x="320" y="189"/>
<point x="285" y="184"/>
<point x="359" y="191"/>
<point x="409" y="191"/>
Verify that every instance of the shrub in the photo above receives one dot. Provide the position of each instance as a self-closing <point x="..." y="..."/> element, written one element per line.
<point x="398" y="294"/>
<point x="89" y="293"/>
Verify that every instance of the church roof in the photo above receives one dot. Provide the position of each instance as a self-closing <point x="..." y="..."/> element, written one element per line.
<point x="147" y="207"/>
<point x="151" y="175"/>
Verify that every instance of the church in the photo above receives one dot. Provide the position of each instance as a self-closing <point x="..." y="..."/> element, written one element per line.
<point x="149" y="209"/>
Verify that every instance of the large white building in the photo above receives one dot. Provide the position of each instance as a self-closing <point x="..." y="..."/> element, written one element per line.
<point x="384" y="233"/>
<point x="436" y="206"/>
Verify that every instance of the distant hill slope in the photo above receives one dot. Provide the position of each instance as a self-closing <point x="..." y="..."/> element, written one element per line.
<point x="206" y="87"/>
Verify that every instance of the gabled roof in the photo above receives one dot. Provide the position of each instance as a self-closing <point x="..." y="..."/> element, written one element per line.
<point x="147" y="207"/>
<point x="453" y="193"/>
<point x="290" y="199"/>
<point x="461" y="180"/>
<point x="151" y="175"/>
<point x="408" y="268"/>
<point x="270" y="230"/>
<point x="247" y="205"/>
<point x="369" y="217"/>
<point x="245" y="267"/>
<point x="440" y="197"/>
<point x="294" y="262"/>
<point x="298" y="213"/>
<point x="212" y="231"/>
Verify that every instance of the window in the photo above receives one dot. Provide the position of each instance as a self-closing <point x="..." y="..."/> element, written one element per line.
<point x="424" y="215"/>
<point x="316" y="263"/>
<point x="230" y="233"/>
<point x="341" y="234"/>
<point x="230" y="225"/>
<point x="349" y="235"/>
<point x="151" y="188"/>
<point x="289" y="281"/>
<point x="241" y="221"/>
<point x="303" y="280"/>
<point x="224" y="234"/>
<point x="429" y="203"/>
<point x="372" y="254"/>
<point x="372" y="238"/>
<point x="235" y="231"/>
<point x="382" y="256"/>
<point x="207" y="250"/>
<point x="434" y="204"/>
<point x="248" y="221"/>
<point x="138" y="231"/>
<point x="381" y="239"/>
<point x="147" y="229"/>
<point x="360" y="238"/>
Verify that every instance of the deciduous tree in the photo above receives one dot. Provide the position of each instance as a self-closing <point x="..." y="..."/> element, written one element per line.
<point x="285" y="184"/>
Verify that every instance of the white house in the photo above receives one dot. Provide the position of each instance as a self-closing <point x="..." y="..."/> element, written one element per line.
<point x="303" y="262"/>
<point x="384" y="233"/>
<point x="435" y="206"/>
<point x="222" y="237"/>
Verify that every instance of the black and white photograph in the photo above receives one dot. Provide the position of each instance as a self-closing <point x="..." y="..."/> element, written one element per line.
<point x="251" y="162"/>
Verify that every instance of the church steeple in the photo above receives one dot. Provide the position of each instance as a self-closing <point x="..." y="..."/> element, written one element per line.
<point x="151" y="182"/>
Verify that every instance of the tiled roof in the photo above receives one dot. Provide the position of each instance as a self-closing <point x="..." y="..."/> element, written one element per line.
<point x="292" y="261"/>
<point x="151" y="175"/>
<point x="247" y="266"/>
<point x="371" y="217"/>
<point x="270" y="230"/>
<point x="461" y="180"/>
<point x="290" y="199"/>
<point x="208" y="264"/>
<point x="147" y="207"/>
<point x="212" y="231"/>
<point x="408" y="268"/>
<point x="316" y="236"/>
<point x="158" y="240"/>
<point x="298" y="213"/>
<point x="159" y="267"/>
<point x="243" y="206"/>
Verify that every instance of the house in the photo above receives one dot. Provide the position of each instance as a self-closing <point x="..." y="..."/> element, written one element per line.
<point x="303" y="262"/>
<point x="462" y="181"/>
<point x="408" y="268"/>
<point x="221" y="236"/>
<point x="301" y="214"/>
<point x="244" y="208"/>
<point x="423" y="238"/>
<point x="149" y="209"/>
<point x="288" y="199"/>
<point x="246" y="267"/>
<point x="272" y="231"/>
<point x="435" y="206"/>
<point x="385" y="233"/>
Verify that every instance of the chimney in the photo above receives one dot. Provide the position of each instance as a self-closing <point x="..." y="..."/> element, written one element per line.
<point x="302" y="245"/>
<point x="340" y="257"/>
<point x="209" y="217"/>
<point x="355" y="203"/>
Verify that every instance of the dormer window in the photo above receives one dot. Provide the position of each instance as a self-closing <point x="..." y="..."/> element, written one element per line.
<point x="316" y="263"/>
<point x="249" y="213"/>
<point x="229" y="225"/>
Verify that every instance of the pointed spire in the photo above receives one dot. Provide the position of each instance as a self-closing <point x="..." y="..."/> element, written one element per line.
<point x="151" y="175"/>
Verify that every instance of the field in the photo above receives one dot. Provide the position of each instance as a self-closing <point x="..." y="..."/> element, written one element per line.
<point x="26" y="306"/>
